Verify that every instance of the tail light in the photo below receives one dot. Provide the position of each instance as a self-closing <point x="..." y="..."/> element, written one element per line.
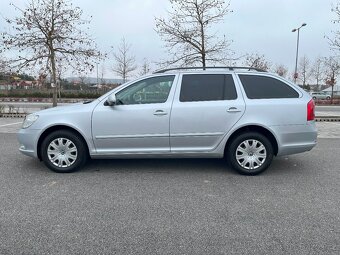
<point x="311" y="110"/>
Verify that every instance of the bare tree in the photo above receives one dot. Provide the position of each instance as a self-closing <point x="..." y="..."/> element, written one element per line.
<point x="335" y="41"/>
<point x="42" y="79"/>
<point x="145" y="68"/>
<point x="317" y="71"/>
<point x="3" y="65"/>
<point x="61" y="68"/>
<point x="281" y="70"/>
<point x="3" y="70"/>
<point x="257" y="61"/>
<point x="304" y="70"/>
<point x="102" y="73"/>
<point x="48" y="31"/>
<point x="332" y="66"/>
<point x="187" y="32"/>
<point x="125" y="63"/>
<point x="82" y="78"/>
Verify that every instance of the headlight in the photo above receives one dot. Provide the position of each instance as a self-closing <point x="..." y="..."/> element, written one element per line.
<point x="29" y="120"/>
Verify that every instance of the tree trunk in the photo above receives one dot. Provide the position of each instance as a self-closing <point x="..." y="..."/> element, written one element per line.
<point x="203" y="53"/>
<point x="54" y="79"/>
<point x="332" y="84"/>
<point x="203" y="47"/>
<point x="203" y="61"/>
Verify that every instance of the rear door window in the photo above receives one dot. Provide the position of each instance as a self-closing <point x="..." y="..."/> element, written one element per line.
<point x="262" y="87"/>
<point x="207" y="87"/>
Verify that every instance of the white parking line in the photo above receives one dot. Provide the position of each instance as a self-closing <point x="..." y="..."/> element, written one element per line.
<point x="11" y="124"/>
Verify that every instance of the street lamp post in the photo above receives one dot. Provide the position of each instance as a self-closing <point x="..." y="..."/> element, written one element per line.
<point x="297" y="49"/>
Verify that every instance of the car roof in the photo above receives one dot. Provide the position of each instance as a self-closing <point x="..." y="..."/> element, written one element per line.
<point x="201" y="70"/>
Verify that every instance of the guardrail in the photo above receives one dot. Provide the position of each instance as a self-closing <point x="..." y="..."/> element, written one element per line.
<point x="327" y="119"/>
<point x="39" y="100"/>
<point x="13" y="115"/>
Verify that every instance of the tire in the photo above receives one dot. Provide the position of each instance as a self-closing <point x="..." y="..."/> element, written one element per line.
<point x="63" y="151"/>
<point x="246" y="159"/>
<point x="328" y="98"/>
<point x="314" y="98"/>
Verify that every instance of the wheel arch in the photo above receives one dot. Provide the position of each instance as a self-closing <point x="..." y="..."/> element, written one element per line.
<point x="55" y="128"/>
<point x="254" y="128"/>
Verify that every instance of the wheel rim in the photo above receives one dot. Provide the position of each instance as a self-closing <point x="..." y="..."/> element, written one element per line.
<point x="62" y="152"/>
<point x="251" y="154"/>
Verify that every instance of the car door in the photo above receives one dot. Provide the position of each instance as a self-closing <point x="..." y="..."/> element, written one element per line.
<point x="139" y="122"/>
<point x="205" y="108"/>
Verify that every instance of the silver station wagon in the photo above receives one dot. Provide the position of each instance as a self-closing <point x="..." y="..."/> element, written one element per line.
<point x="242" y="114"/>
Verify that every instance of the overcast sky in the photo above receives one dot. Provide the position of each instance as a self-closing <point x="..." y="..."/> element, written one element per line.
<point x="254" y="26"/>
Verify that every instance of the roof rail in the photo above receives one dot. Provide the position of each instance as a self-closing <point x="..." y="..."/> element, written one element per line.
<point x="231" y="68"/>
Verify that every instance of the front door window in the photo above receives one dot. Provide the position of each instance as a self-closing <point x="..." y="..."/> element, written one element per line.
<point x="149" y="91"/>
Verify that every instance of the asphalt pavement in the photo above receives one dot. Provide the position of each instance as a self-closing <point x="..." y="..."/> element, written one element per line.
<point x="170" y="206"/>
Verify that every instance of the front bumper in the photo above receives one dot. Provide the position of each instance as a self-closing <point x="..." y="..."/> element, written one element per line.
<point x="28" y="140"/>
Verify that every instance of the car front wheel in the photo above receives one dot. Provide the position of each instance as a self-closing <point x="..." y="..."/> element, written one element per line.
<point x="250" y="153"/>
<point x="63" y="151"/>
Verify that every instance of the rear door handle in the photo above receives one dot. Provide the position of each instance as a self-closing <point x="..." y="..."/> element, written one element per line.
<point x="233" y="109"/>
<point x="160" y="113"/>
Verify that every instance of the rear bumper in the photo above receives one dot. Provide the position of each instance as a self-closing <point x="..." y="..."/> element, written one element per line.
<point x="294" y="149"/>
<point x="294" y="139"/>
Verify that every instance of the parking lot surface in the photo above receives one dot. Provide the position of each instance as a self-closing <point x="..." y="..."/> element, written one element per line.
<point x="168" y="206"/>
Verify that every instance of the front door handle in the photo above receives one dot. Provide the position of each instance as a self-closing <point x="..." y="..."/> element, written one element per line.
<point x="160" y="113"/>
<point x="233" y="109"/>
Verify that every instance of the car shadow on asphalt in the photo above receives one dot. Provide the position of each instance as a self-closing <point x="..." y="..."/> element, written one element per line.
<point x="158" y="165"/>
<point x="279" y="166"/>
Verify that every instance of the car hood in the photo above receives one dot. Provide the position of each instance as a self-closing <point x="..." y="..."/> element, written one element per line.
<point x="71" y="108"/>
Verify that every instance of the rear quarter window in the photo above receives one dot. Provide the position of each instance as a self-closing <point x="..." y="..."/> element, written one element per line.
<point x="263" y="87"/>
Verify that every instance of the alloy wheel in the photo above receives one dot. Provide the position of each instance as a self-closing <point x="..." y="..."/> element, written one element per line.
<point x="62" y="152"/>
<point x="251" y="154"/>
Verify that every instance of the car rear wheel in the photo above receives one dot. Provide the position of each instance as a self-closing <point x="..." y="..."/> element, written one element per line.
<point x="63" y="151"/>
<point x="250" y="153"/>
<point x="328" y="98"/>
<point x="314" y="98"/>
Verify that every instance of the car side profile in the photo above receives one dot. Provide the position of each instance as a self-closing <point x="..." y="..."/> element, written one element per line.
<point x="320" y="95"/>
<point x="242" y="114"/>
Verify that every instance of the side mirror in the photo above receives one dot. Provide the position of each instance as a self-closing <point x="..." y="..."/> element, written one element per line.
<point x="111" y="100"/>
